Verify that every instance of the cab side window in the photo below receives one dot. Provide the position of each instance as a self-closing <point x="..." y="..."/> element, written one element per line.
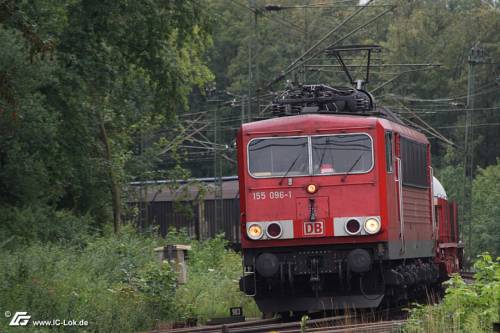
<point x="388" y="151"/>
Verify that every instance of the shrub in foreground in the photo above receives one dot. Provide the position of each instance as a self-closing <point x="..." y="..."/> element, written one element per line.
<point x="113" y="282"/>
<point x="465" y="307"/>
<point x="116" y="284"/>
<point x="213" y="283"/>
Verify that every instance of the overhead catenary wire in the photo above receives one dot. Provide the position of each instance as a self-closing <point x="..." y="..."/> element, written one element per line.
<point x="374" y="65"/>
<point x="325" y="5"/>
<point x="277" y="20"/>
<point x="491" y="87"/>
<point x="430" y="128"/>
<point x="230" y="119"/>
<point x="417" y="126"/>
<point x="352" y="32"/>
<point x="434" y="110"/>
<point x="395" y="78"/>
<point x="294" y="63"/>
<point x="474" y="125"/>
<point x="399" y="109"/>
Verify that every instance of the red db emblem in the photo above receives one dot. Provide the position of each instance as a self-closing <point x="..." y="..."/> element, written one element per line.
<point x="314" y="228"/>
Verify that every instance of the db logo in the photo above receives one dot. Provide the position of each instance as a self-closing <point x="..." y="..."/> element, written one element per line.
<point x="314" y="228"/>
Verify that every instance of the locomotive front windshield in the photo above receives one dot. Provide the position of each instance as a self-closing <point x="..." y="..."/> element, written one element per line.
<point x="275" y="157"/>
<point x="341" y="154"/>
<point x="330" y="154"/>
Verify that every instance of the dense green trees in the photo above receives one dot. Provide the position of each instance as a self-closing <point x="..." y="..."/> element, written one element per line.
<point x="85" y="86"/>
<point x="486" y="210"/>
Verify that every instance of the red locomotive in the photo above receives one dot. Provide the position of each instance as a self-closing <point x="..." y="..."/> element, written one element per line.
<point x="337" y="205"/>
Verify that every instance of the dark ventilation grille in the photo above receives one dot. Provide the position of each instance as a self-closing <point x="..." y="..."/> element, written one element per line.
<point x="415" y="164"/>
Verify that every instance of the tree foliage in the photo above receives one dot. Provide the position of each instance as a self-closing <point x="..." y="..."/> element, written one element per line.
<point x="84" y="87"/>
<point x="486" y="210"/>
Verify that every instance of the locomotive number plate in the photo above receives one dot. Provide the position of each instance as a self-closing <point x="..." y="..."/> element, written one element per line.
<point x="273" y="195"/>
<point x="314" y="228"/>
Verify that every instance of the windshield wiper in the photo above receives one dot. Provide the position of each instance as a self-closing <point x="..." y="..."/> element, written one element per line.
<point x="323" y="156"/>
<point x="352" y="167"/>
<point x="290" y="168"/>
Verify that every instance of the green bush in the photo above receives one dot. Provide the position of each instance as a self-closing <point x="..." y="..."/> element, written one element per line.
<point x="466" y="307"/>
<point x="212" y="287"/>
<point x="22" y="226"/>
<point x="114" y="282"/>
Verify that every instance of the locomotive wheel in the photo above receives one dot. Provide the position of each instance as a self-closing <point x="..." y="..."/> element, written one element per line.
<point x="285" y="316"/>
<point x="268" y="315"/>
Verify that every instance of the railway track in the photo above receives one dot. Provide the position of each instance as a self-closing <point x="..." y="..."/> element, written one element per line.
<point x="337" y="324"/>
<point x="375" y="327"/>
<point x="389" y="320"/>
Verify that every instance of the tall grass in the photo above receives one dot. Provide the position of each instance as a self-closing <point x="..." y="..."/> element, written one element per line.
<point x="116" y="283"/>
<point x="212" y="287"/>
<point x="113" y="282"/>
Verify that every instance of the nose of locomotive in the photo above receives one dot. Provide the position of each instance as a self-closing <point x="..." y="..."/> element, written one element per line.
<point x="267" y="264"/>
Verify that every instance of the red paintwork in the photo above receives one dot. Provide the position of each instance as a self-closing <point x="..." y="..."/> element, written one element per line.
<point x="447" y="221"/>
<point x="417" y="213"/>
<point x="373" y="193"/>
<point x="449" y="251"/>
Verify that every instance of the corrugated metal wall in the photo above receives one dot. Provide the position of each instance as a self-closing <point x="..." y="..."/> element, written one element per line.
<point x="199" y="219"/>
<point x="228" y="223"/>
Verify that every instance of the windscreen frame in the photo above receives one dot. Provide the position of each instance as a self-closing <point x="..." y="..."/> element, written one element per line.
<point x="308" y="139"/>
<point x="310" y="155"/>
<point x="372" y="155"/>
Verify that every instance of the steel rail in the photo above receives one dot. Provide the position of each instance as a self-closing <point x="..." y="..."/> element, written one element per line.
<point x="218" y="328"/>
<point x="329" y="324"/>
<point x="281" y="326"/>
<point x="381" y="326"/>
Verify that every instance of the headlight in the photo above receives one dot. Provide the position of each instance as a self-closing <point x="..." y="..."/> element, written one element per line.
<point x="372" y="225"/>
<point x="311" y="188"/>
<point x="353" y="227"/>
<point x="274" y="230"/>
<point x="255" y="231"/>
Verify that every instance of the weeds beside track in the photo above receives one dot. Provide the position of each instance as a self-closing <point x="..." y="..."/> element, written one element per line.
<point x="344" y="323"/>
